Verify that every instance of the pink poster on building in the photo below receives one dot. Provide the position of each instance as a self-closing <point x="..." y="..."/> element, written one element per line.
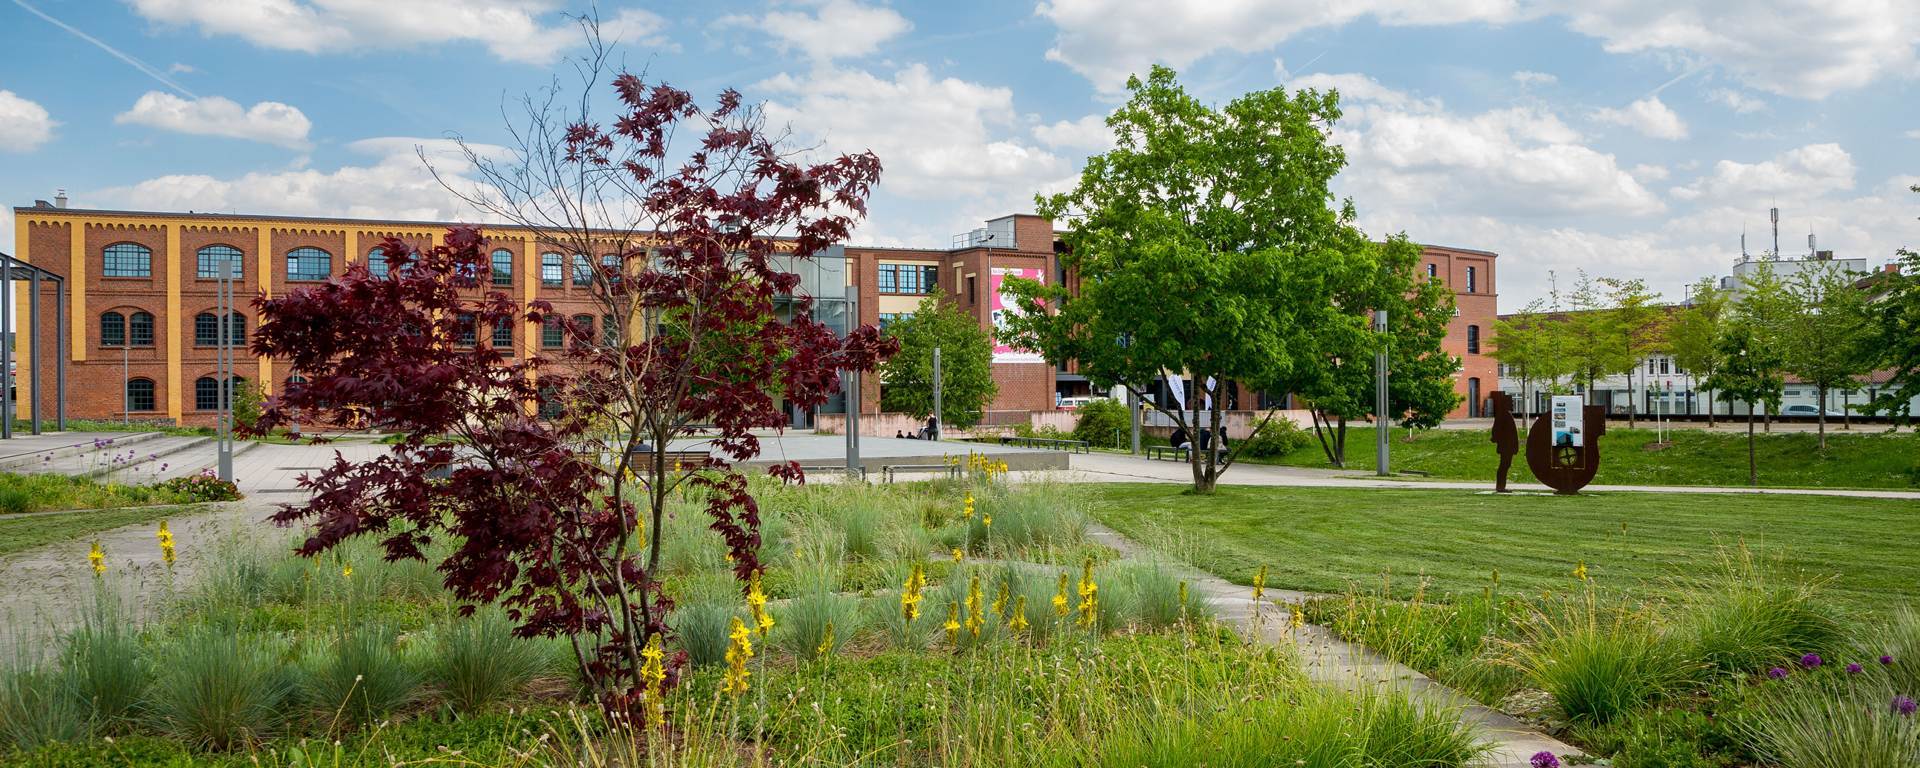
<point x="1004" y="304"/>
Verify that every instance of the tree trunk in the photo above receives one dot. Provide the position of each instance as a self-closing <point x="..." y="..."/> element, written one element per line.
<point x="1696" y="384"/>
<point x="1326" y="441"/>
<point x="1633" y="421"/>
<point x="1753" y="472"/>
<point x="1820" y="411"/>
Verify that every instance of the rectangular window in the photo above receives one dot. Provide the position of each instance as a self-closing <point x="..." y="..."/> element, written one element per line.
<point x="503" y="267"/>
<point x="908" y="278"/>
<point x="113" y="330"/>
<point x="1665" y="364"/>
<point x="1433" y="270"/>
<point x="550" y="269"/>
<point x="468" y="333"/>
<point x="140" y="395"/>
<point x="503" y="335"/>
<point x="889" y="318"/>
<point x="972" y="293"/>
<point x="552" y="334"/>
<point x="582" y="270"/>
<point x="140" y="330"/>
<point x="1473" y="282"/>
<point x="1473" y="339"/>
<point x="609" y="333"/>
<point x="889" y="281"/>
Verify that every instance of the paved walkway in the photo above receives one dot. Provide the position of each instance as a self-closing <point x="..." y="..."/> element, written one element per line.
<point x="50" y="587"/>
<point x="1329" y="660"/>
<point x="1112" y="467"/>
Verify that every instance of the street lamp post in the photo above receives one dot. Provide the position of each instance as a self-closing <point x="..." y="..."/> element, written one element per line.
<point x="1380" y="396"/>
<point x="939" y="415"/>
<point x="223" y="365"/>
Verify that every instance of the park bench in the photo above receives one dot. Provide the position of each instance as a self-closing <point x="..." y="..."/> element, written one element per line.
<point x="1070" y="446"/>
<point x="887" y="471"/>
<point x="837" y="469"/>
<point x="1166" y="452"/>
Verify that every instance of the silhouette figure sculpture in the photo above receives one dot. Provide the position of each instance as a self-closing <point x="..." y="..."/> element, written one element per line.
<point x="1506" y="437"/>
<point x="1566" y="468"/>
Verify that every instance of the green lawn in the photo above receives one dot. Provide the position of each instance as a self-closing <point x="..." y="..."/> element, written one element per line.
<point x="1325" y="540"/>
<point x="22" y="533"/>
<point x="1866" y="457"/>
<point x="41" y="492"/>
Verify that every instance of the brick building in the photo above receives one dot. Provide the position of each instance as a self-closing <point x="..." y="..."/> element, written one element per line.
<point x="1469" y="334"/>
<point x="143" y="332"/>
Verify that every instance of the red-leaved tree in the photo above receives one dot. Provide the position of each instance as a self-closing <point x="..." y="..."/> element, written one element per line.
<point x="553" y="486"/>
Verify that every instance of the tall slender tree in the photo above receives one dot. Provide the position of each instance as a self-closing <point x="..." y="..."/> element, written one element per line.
<point x="966" y="364"/>
<point x="1693" y="334"/>
<point x="1749" y="371"/>
<point x="1634" y="328"/>
<point x="1897" y="313"/>
<point x="1766" y="308"/>
<point x="1830" y="335"/>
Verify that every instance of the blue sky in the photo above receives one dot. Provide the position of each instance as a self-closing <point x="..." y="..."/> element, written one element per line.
<point x="1630" y="138"/>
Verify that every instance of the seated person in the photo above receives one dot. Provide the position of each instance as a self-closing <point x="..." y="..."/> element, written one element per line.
<point x="1179" y="438"/>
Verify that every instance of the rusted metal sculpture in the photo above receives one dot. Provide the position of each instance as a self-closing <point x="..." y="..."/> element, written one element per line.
<point x="1566" y="467"/>
<point x="1506" y="437"/>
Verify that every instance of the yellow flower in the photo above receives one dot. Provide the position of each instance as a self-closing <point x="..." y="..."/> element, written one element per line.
<point x="913" y="593"/>
<point x="1299" y="616"/>
<point x="346" y="571"/>
<point x="1183" y="595"/>
<point x="166" y="543"/>
<point x="1017" y="623"/>
<point x="825" y="648"/>
<point x="1060" y="598"/>
<point x="757" y="603"/>
<point x="1089" y="596"/>
<point x="97" y="558"/>
<point x="958" y="554"/>
<point x="1000" y="598"/>
<point x="1259" y="583"/>
<point x="653" y="675"/>
<point x="953" y="623"/>
<point x="968" y="513"/>
<point x="987" y="519"/>
<point x="976" y="617"/>
<point x="739" y="649"/>
<point x="1580" y="571"/>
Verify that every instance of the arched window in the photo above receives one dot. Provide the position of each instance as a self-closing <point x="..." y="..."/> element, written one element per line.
<point x="128" y="260"/>
<point x="550" y="269"/>
<point x="206" y="394"/>
<point x="582" y="270"/>
<point x="140" y="394"/>
<point x="309" y="263"/>
<point x="140" y="329"/>
<point x="1473" y="341"/>
<point x="113" y="329"/>
<point x="207" y="266"/>
<point x="553" y="335"/>
<point x="503" y="267"/>
<point x="503" y="335"/>
<point x="377" y="262"/>
<point x="206" y="329"/>
<point x="585" y="324"/>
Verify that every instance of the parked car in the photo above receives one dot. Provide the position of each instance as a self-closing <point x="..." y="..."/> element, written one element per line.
<point x="1808" y="410"/>
<point x="1072" y="403"/>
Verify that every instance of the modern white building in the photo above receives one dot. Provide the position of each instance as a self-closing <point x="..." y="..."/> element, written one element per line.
<point x="1672" y="391"/>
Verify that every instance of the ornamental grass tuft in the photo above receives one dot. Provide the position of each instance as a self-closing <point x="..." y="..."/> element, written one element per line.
<point x="217" y="690"/>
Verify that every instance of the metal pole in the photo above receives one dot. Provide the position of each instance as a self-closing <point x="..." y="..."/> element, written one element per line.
<point x="33" y="353"/>
<point x="1133" y="415"/>
<point x="126" y="375"/>
<point x="60" y="357"/>
<point x="1380" y="396"/>
<point x="939" y="414"/>
<point x="223" y="358"/>
<point x="853" y="391"/>
<point x="6" y="348"/>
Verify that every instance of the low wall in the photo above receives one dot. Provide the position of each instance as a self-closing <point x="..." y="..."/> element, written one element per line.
<point x="1238" y="424"/>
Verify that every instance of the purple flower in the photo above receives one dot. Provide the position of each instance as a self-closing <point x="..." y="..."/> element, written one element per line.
<point x="1777" y="673"/>
<point x="1854" y="669"/>
<point x="1903" y="705"/>
<point x="1886" y="660"/>
<point x="1811" y="660"/>
<point x="1544" y="759"/>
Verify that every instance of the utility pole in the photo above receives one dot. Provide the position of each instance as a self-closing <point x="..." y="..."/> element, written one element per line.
<point x="1380" y="396"/>
<point x="938" y="414"/>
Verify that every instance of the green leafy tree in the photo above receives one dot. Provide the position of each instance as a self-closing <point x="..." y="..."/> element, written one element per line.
<point x="1749" y="371"/>
<point x="1694" y="332"/>
<point x="1587" y="335"/>
<point x="1829" y="337"/>
<point x="1634" y="327"/>
<point x="1528" y="343"/>
<point x="1897" y="313"/>
<point x="1338" y="380"/>
<point x="1204" y="243"/>
<point x="966" y="364"/>
<point x="1766" y="307"/>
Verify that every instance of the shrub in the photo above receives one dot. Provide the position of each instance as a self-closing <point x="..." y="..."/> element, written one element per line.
<point x="476" y="661"/>
<point x="1103" y="422"/>
<point x="1598" y="667"/>
<point x="218" y="690"/>
<point x="1745" y="619"/>
<point x="201" y="487"/>
<point x="38" y="708"/>
<point x="1277" y="437"/>
<point x="357" y="679"/>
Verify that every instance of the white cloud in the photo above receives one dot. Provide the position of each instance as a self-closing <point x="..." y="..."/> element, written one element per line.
<point x="1361" y="88"/>
<point x="24" y="125"/>
<point x="395" y="186"/>
<point x="1647" y="172"/>
<point x="1739" y="102"/>
<point x="1529" y="77"/>
<point x="270" y="122"/>
<point x="1649" y="116"/>
<point x="1088" y="133"/>
<point x="1913" y="134"/>
<point x="181" y="68"/>
<point x="1107" y="40"/>
<point x="835" y="29"/>
<point x="1808" y="170"/>
<point x="936" y="137"/>
<point x="1804" y="48"/>
<point x="513" y="30"/>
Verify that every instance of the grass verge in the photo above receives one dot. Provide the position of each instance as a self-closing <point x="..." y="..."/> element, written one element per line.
<point x="23" y="533"/>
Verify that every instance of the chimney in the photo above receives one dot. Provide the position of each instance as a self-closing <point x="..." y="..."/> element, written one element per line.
<point x="59" y="198"/>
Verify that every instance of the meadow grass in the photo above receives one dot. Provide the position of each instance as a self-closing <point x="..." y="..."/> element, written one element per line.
<point x="18" y="534"/>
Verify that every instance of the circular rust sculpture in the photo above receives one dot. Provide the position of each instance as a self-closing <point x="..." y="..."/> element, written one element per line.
<point x="1566" y="468"/>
